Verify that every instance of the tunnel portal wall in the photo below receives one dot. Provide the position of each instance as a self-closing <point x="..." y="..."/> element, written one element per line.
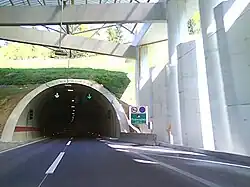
<point x="17" y="127"/>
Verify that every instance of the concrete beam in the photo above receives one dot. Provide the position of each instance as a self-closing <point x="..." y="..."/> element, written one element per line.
<point x="90" y="13"/>
<point x="79" y="43"/>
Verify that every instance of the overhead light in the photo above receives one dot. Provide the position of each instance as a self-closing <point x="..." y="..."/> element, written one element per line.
<point x="72" y="106"/>
<point x="57" y="95"/>
<point x="68" y="85"/>
<point x="73" y="100"/>
<point x="70" y="90"/>
<point x="73" y="110"/>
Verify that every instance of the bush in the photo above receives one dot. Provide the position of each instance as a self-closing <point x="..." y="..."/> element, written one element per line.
<point x="115" y="82"/>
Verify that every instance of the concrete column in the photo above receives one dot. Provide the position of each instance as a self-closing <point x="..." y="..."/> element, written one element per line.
<point x="145" y="88"/>
<point x="216" y="86"/>
<point x="137" y="76"/>
<point x="194" y="102"/>
<point x="233" y="30"/>
<point x="177" y="32"/>
<point x="189" y="95"/>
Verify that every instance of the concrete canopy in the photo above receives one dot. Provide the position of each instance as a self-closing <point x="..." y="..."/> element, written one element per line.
<point x="51" y="39"/>
<point x="157" y="32"/>
<point x="14" y="118"/>
<point x="90" y="13"/>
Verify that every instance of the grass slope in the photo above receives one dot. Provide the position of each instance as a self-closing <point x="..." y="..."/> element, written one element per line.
<point x="115" y="82"/>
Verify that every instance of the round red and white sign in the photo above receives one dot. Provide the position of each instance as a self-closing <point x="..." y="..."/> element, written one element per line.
<point x="134" y="109"/>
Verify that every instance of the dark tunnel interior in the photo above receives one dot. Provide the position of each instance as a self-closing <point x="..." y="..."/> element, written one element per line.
<point x="76" y="111"/>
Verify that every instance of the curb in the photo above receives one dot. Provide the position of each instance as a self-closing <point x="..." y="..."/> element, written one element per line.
<point x="20" y="146"/>
<point x="241" y="159"/>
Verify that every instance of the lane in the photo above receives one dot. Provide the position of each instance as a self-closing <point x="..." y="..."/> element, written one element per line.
<point x="220" y="172"/>
<point x="94" y="164"/>
<point x="77" y="162"/>
<point x="26" y="166"/>
<point x="223" y="175"/>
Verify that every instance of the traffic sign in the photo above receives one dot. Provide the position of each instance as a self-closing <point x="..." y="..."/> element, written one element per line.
<point x="138" y="115"/>
<point x="134" y="109"/>
<point x="89" y="96"/>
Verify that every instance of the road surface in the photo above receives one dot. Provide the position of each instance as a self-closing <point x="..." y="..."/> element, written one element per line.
<point x="100" y="163"/>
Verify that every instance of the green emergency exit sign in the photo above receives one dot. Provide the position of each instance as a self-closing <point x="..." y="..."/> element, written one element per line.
<point x="137" y="119"/>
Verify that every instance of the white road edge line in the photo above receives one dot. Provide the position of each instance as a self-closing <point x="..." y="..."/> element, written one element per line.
<point x="201" y="160"/>
<point x="68" y="143"/>
<point x="20" y="146"/>
<point x="186" y="174"/>
<point x="56" y="162"/>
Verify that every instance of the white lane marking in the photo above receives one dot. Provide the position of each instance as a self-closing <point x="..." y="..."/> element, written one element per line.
<point x="68" y="143"/>
<point x="71" y="138"/>
<point x="42" y="181"/>
<point x="56" y="162"/>
<point x="207" y="161"/>
<point x="186" y="174"/>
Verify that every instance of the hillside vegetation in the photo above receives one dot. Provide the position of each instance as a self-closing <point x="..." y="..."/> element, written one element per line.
<point x="115" y="82"/>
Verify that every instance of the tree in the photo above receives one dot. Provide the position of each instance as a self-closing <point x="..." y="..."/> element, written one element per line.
<point x="115" y="34"/>
<point x="194" y="24"/>
<point x="19" y="51"/>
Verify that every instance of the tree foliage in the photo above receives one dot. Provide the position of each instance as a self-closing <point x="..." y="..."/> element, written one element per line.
<point x="194" y="24"/>
<point x="115" y="34"/>
<point x="19" y="51"/>
<point x="114" y="81"/>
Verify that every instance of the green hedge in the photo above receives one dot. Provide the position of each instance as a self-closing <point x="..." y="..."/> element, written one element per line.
<point x="116" y="82"/>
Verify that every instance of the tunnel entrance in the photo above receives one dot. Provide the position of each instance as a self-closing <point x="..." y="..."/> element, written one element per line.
<point x="66" y="107"/>
<point x="76" y="110"/>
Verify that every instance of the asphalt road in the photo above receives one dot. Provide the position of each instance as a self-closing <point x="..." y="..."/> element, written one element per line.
<point x="94" y="163"/>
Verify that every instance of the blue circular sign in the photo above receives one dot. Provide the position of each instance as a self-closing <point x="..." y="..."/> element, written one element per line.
<point x="142" y="109"/>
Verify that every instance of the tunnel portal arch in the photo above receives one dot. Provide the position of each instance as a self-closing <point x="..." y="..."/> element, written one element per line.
<point x="12" y="121"/>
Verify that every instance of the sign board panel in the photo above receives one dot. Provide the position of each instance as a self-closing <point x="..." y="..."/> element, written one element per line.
<point x="138" y="115"/>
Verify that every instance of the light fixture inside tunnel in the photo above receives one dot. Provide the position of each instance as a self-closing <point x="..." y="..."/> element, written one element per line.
<point x="57" y="95"/>
<point x="70" y="90"/>
<point x="72" y="106"/>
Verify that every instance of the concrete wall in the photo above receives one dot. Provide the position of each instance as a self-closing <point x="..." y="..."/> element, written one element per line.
<point x="196" y="125"/>
<point x="144" y="139"/>
<point x="232" y="19"/>
<point x="152" y="86"/>
<point x="25" y="128"/>
<point x="189" y="95"/>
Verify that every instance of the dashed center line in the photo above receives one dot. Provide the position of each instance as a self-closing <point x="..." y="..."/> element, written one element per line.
<point x="54" y="165"/>
<point x="69" y="142"/>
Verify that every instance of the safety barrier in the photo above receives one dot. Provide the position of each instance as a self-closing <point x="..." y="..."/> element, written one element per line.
<point x="138" y="138"/>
